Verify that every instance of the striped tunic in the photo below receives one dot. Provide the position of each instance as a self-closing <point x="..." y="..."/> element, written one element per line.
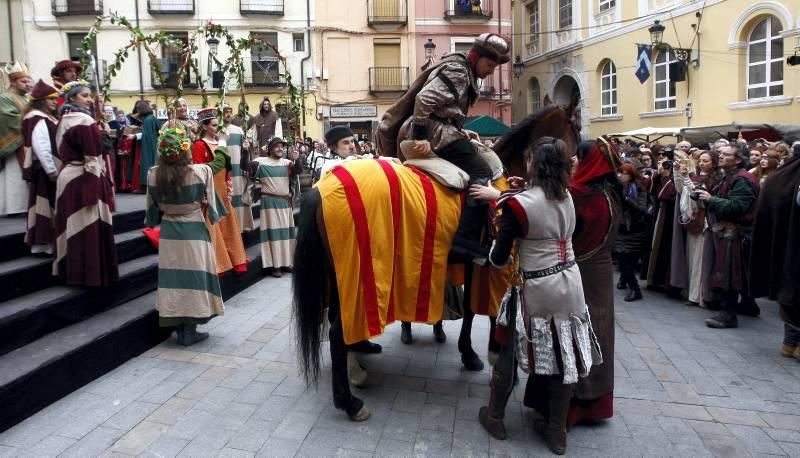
<point x="39" y="142"/>
<point x="188" y="286"/>
<point x="277" y="220"/>
<point x="235" y="135"/>
<point x="85" y="251"/>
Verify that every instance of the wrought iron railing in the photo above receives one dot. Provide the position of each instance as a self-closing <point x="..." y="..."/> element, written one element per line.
<point x="274" y="7"/>
<point x="387" y="12"/>
<point x="388" y="79"/>
<point x="471" y="13"/>
<point x="170" y="6"/>
<point x="77" y="7"/>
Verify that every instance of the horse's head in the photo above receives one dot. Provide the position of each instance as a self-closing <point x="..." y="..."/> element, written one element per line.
<point x="562" y="122"/>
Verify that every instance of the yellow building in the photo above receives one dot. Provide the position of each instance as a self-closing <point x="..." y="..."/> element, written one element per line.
<point x="719" y="61"/>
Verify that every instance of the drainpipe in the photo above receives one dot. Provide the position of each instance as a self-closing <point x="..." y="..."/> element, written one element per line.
<point x="302" y="67"/>
<point x="10" y="31"/>
<point x="500" y="32"/>
<point x="139" y="55"/>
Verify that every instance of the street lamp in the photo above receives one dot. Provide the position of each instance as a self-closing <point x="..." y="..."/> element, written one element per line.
<point x="430" y="48"/>
<point x="213" y="44"/>
<point x="517" y="67"/>
<point x="656" y="33"/>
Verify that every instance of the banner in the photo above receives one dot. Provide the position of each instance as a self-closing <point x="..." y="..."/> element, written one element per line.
<point x="643" y="63"/>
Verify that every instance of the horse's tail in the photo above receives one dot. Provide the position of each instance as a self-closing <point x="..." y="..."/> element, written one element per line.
<point x="310" y="285"/>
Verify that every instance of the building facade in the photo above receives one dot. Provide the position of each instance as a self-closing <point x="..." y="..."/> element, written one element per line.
<point x="51" y="30"/>
<point x="719" y="61"/>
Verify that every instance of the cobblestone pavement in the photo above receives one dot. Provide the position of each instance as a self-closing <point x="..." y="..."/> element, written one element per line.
<point x="681" y="389"/>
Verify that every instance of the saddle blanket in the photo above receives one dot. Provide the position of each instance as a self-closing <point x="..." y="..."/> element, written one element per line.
<point x="390" y="228"/>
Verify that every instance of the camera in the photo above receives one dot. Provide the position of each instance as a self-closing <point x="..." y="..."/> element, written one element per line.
<point x="695" y="195"/>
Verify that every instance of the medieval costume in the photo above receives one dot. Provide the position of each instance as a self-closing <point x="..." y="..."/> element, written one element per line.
<point x="233" y="136"/>
<point x="265" y="125"/>
<point x="434" y="111"/>
<point x="556" y="340"/>
<point x="277" y="220"/>
<point x="182" y="121"/>
<point x="633" y="233"/>
<point x="731" y="212"/>
<point x="775" y="258"/>
<point x="596" y="194"/>
<point x="59" y="71"/>
<point x="13" y="195"/>
<point x="145" y="153"/>
<point x="226" y="236"/>
<point x="41" y="165"/>
<point x="188" y="287"/>
<point x="85" y="251"/>
<point x="658" y="268"/>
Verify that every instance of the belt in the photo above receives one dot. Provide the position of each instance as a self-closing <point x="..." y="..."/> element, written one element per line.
<point x="531" y="274"/>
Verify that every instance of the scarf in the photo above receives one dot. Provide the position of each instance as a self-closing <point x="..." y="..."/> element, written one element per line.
<point x="72" y="108"/>
<point x="593" y="165"/>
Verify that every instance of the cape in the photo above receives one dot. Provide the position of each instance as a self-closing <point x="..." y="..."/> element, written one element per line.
<point x="11" y="107"/>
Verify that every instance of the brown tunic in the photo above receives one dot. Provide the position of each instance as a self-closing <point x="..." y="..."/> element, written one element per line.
<point x="265" y="127"/>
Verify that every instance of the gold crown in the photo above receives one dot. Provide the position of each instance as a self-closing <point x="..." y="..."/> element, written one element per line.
<point x="16" y="67"/>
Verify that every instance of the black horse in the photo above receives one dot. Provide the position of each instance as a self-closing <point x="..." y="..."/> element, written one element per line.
<point x="315" y="288"/>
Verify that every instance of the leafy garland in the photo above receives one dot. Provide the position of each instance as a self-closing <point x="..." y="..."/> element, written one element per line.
<point x="233" y="65"/>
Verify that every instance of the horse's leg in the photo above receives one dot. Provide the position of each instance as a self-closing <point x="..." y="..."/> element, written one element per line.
<point x="494" y="345"/>
<point x="469" y="358"/>
<point x="342" y="397"/>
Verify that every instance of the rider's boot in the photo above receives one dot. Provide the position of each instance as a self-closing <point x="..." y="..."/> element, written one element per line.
<point x="405" y="332"/>
<point x="491" y="416"/>
<point x="474" y="218"/>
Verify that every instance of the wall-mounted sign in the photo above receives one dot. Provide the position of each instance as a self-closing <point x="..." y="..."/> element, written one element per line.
<point x="354" y="111"/>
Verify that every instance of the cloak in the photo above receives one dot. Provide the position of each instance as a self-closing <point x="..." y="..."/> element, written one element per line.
<point x="775" y="259"/>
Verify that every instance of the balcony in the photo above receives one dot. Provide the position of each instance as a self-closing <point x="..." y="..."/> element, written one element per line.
<point x="387" y="13"/>
<point x="271" y="7"/>
<point x="170" y="6"/>
<point x="171" y="78"/>
<point x="388" y="79"/>
<point x="77" y="7"/>
<point x="474" y="14"/>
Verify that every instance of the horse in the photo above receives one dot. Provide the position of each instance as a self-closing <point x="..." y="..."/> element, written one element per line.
<point x="315" y="285"/>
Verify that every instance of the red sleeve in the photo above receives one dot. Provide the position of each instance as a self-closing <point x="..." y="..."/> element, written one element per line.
<point x="519" y="214"/>
<point x="199" y="152"/>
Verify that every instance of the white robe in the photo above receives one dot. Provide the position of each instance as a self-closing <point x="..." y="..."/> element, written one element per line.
<point x="13" y="189"/>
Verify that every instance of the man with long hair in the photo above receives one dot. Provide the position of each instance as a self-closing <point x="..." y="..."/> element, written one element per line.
<point x="265" y="125"/>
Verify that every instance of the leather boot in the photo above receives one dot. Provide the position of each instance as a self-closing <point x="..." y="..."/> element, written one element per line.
<point x="634" y="294"/>
<point x="438" y="333"/>
<point x="405" y="332"/>
<point x="474" y="217"/>
<point x="491" y="416"/>
<point x="190" y="335"/>
<point x="621" y="284"/>
<point x="554" y="430"/>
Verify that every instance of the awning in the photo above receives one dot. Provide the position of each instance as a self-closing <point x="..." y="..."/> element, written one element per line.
<point x="486" y="126"/>
<point x="750" y="131"/>
<point x="646" y="132"/>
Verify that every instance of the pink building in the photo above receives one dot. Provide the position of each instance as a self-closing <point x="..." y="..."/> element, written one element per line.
<point x="452" y="25"/>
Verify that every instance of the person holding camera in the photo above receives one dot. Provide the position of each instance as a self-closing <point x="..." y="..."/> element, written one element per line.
<point x="687" y="249"/>
<point x="730" y="209"/>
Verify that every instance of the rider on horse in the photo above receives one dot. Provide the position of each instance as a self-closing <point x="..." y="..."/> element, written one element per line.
<point x="432" y="114"/>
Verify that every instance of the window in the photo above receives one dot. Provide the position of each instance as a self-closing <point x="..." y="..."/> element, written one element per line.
<point x="74" y="46"/>
<point x="564" y="14"/>
<point x="536" y="99"/>
<point x="765" y="60"/>
<point x="607" y="4"/>
<point x="263" y="61"/>
<point x="174" y="58"/>
<point x="299" y="42"/>
<point x="533" y="24"/>
<point x="608" y="89"/>
<point x="664" y="86"/>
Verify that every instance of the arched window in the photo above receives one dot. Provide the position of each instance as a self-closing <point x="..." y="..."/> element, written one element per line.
<point x="535" y="91"/>
<point x="608" y="89"/>
<point x="765" y="59"/>
<point x="664" y="86"/>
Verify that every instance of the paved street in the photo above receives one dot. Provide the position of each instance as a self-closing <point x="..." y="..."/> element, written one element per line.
<point x="681" y="389"/>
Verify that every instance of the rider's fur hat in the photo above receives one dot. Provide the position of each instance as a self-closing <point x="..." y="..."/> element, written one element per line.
<point x="337" y="133"/>
<point x="492" y="46"/>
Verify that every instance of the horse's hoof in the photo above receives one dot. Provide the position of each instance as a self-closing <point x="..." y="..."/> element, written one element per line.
<point x="472" y="362"/>
<point x="361" y="415"/>
<point x="356" y="373"/>
<point x="492" y="357"/>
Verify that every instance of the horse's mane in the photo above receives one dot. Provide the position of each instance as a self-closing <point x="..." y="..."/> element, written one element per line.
<point x="519" y="135"/>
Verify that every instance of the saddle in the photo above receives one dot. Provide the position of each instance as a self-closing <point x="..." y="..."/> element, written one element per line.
<point x="446" y="172"/>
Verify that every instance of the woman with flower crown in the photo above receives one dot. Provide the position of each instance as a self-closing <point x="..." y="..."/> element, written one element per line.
<point x="188" y="286"/>
<point x="85" y="251"/>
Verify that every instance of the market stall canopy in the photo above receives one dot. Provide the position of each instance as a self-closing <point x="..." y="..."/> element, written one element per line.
<point x="486" y="126"/>
<point x="769" y="132"/>
<point x="646" y="132"/>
